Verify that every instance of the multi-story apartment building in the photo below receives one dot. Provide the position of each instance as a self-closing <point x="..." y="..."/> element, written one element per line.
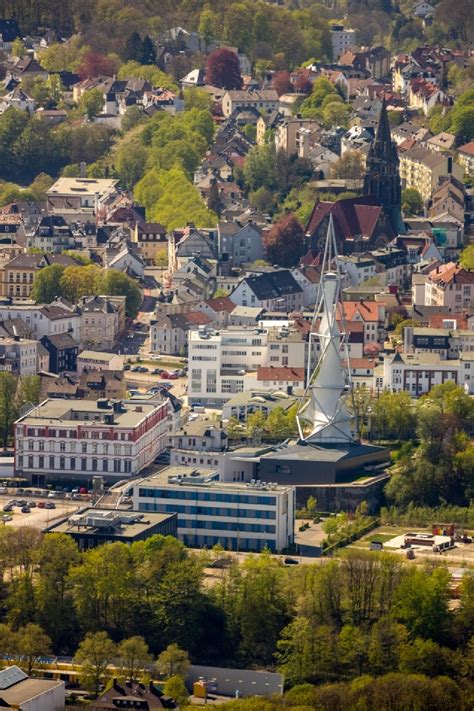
<point x="242" y="243"/>
<point x="451" y="287"/>
<point x="102" y="320"/>
<point x="44" y="320"/>
<point x="198" y="443"/>
<point x="422" y="169"/>
<point x="417" y="373"/>
<point x="264" y="100"/>
<point x="20" y="272"/>
<point x="77" y="439"/>
<point x="466" y="157"/>
<point x="287" y="137"/>
<point x="95" y="360"/>
<point x="81" y="198"/>
<point x="21" y="356"/>
<point x="239" y="516"/>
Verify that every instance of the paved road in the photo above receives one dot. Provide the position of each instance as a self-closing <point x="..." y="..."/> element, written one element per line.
<point x="40" y="518"/>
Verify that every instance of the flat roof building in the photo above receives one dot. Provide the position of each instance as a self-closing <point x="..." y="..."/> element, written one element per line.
<point x="19" y="691"/>
<point x="77" y="439"/>
<point x="240" y="516"/>
<point x="91" y="527"/>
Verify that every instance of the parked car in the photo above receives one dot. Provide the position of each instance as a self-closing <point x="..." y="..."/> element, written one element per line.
<point x="25" y="509"/>
<point x="41" y="504"/>
<point x="127" y="366"/>
<point x="173" y="376"/>
<point x="143" y="369"/>
<point x="156" y="371"/>
<point x="7" y="508"/>
<point x="167" y="386"/>
<point x="50" y="505"/>
<point x="32" y="504"/>
<point x="22" y="502"/>
<point x="291" y="561"/>
<point x="135" y="369"/>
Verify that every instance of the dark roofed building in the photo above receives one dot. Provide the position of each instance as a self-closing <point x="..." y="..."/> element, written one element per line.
<point x="273" y="290"/>
<point x="360" y="225"/>
<point x="63" y="350"/>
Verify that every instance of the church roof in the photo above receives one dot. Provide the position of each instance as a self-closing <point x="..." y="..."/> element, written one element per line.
<point x="353" y="217"/>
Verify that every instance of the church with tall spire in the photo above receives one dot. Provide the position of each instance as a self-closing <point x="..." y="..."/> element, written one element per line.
<point x="382" y="178"/>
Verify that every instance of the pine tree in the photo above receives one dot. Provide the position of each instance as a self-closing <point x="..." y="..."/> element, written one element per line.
<point x="148" y="51"/>
<point x="133" y="48"/>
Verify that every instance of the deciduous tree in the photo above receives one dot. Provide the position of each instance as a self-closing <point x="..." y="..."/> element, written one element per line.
<point x="223" y="69"/>
<point x="94" y="654"/>
<point x="284" y="242"/>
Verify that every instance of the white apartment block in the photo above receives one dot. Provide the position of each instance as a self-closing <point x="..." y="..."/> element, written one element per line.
<point x="240" y="516"/>
<point x="95" y="360"/>
<point x="223" y="363"/>
<point x="20" y="356"/>
<point x="77" y="439"/>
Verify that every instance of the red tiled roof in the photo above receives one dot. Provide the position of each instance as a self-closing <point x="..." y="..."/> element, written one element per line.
<point x="368" y="310"/>
<point x="353" y="217"/>
<point x="277" y="373"/>
<point x="196" y="318"/>
<point x="436" y="320"/>
<point x="221" y="303"/>
<point x="362" y="363"/>
<point x="467" y="148"/>
<point x="451" y="272"/>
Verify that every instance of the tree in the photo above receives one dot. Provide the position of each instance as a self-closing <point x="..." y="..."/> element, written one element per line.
<point x="29" y="389"/>
<point x="134" y="655"/>
<point x="223" y="69"/>
<point x="467" y="257"/>
<point x="255" y="424"/>
<point x="412" y="202"/>
<point x="147" y="51"/>
<point x="94" y="654"/>
<point x="117" y="283"/>
<point x="47" y="284"/>
<point x="259" y="167"/>
<point x="282" y="82"/>
<point x="18" y="48"/>
<point x="133" y="47"/>
<point x="91" y="103"/>
<point x="195" y="98"/>
<point x="8" y="408"/>
<point x="335" y="113"/>
<point x="131" y="118"/>
<point x="31" y="643"/>
<point x="80" y="281"/>
<point x="176" y="688"/>
<point x="350" y="166"/>
<point x="284" y="242"/>
<point x="421" y="602"/>
<point x="94" y="64"/>
<point x="208" y="25"/>
<point x="214" y="201"/>
<point x="173" y="662"/>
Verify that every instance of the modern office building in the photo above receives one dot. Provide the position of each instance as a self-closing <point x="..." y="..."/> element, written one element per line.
<point x="240" y="516"/>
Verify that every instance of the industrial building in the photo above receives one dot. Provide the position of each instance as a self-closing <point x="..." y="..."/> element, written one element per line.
<point x="91" y="527"/>
<point x="19" y="691"/>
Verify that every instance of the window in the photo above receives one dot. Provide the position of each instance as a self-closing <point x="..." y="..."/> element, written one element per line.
<point x="51" y="462"/>
<point x="72" y="464"/>
<point x="84" y="447"/>
<point x="62" y="446"/>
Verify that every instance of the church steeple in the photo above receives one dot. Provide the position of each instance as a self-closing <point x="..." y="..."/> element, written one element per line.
<point x="382" y="178"/>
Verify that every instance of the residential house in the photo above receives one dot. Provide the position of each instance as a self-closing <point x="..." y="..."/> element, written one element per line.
<point x="52" y="234"/>
<point x="185" y="244"/>
<point x="448" y="199"/>
<point x="169" y="334"/>
<point x="392" y="266"/>
<point x="125" y="257"/>
<point x="287" y="133"/>
<point x="20" y="356"/>
<point x="410" y="131"/>
<point x="440" y="142"/>
<point x="273" y="291"/>
<point x="321" y="158"/>
<point x="358" y="268"/>
<point x="17" y="99"/>
<point x="424" y="95"/>
<point x="63" y="350"/>
<point x="419" y="373"/>
<point x="151" y="239"/>
<point x="27" y="67"/>
<point x="20" y="272"/>
<point x="245" y="316"/>
<point x="264" y="100"/>
<point x="95" y="384"/>
<point x="267" y="122"/>
<point x="422" y="169"/>
<point x="422" y="9"/>
<point x="466" y="157"/>
<point x="286" y="379"/>
<point x="371" y="314"/>
<point x="241" y="242"/>
<point x="450" y="286"/>
<point x="102" y="321"/>
<point x="308" y="278"/>
<point x="12" y="229"/>
<point x="217" y="310"/>
<point x="43" y="319"/>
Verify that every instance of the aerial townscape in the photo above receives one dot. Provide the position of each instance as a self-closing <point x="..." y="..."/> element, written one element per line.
<point x="237" y="355"/>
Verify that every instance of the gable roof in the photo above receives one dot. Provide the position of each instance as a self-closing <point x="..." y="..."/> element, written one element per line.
<point x="353" y="217"/>
<point x="367" y="310"/>
<point x="280" y="373"/>
<point x="221" y="303"/>
<point x="271" y="285"/>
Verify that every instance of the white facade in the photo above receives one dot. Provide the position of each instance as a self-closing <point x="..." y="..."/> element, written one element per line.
<point x="418" y="373"/>
<point x="226" y="362"/>
<point x="43" y="320"/>
<point x="239" y="516"/>
<point x="358" y="269"/>
<point x="77" y="439"/>
<point x="93" y="360"/>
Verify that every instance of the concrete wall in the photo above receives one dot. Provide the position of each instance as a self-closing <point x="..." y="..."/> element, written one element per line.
<point x="51" y="700"/>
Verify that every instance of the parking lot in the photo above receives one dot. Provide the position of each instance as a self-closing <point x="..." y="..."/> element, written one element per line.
<point x="38" y="517"/>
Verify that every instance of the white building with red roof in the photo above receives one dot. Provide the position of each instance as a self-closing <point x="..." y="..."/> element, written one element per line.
<point x="450" y="286"/>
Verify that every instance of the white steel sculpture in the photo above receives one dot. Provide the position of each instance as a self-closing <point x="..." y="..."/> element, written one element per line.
<point x="323" y="416"/>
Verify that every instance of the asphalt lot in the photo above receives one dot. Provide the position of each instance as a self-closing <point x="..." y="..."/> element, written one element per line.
<point x="39" y="518"/>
